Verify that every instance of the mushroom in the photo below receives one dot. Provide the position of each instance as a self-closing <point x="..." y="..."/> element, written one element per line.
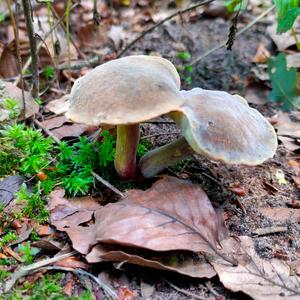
<point x="125" y="92"/>
<point x="217" y="125"/>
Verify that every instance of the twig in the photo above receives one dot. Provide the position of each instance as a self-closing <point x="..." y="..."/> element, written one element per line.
<point x="179" y="12"/>
<point x="182" y="291"/>
<point x="16" y="33"/>
<point x="103" y="181"/>
<point x="158" y="134"/>
<point x="257" y="19"/>
<point x="46" y="130"/>
<point x="269" y="230"/>
<point x="80" y="53"/>
<point x="27" y="269"/>
<point x="33" y="47"/>
<point x="28" y="62"/>
<point x="109" y="292"/>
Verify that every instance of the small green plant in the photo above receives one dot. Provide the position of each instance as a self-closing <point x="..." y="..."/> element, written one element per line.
<point x="48" y="72"/>
<point x="28" y="253"/>
<point x="35" y="207"/>
<point x="9" y="237"/>
<point x="184" y="55"/>
<point x="11" y="105"/>
<point x="4" y="274"/>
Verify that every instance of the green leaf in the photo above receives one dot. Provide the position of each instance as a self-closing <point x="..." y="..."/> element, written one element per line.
<point x="287" y="22"/>
<point x="287" y="12"/>
<point x="283" y="81"/>
<point x="235" y="5"/>
<point x="184" y="55"/>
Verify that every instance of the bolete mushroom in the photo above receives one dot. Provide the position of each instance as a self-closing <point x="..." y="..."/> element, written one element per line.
<point x="125" y="92"/>
<point x="217" y="125"/>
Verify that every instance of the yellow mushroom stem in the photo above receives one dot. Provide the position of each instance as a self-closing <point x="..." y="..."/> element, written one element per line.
<point x="128" y="137"/>
<point x="160" y="158"/>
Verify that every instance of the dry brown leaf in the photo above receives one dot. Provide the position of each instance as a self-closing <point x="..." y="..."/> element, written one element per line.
<point x="285" y="126"/>
<point x="172" y="215"/>
<point x="54" y="122"/>
<point x="184" y="263"/>
<point x="255" y="93"/>
<point x="8" y="90"/>
<point x="296" y="180"/>
<point x="70" y="214"/>
<point x="72" y="130"/>
<point x="126" y="294"/>
<point x="283" y="40"/>
<point x="281" y="214"/>
<point x="71" y="262"/>
<point x="261" y="279"/>
<point x="293" y="60"/>
<point x="8" y="62"/>
<point x="58" y="106"/>
<point x="262" y="54"/>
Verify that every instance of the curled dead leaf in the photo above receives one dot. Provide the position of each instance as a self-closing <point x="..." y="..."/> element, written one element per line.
<point x="185" y="263"/>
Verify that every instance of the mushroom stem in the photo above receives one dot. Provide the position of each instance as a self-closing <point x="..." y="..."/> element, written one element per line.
<point x="160" y="158"/>
<point x="126" y="147"/>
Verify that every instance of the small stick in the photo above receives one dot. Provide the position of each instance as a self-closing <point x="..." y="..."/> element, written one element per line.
<point x="33" y="47"/>
<point x="23" y="271"/>
<point x="187" y="293"/>
<point x="179" y="12"/>
<point x="16" y="33"/>
<point x="81" y="54"/>
<point x="158" y="134"/>
<point x="109" y="292"/>
<point x="46" y="130"/>
<point x="106" y="183"/>
<point x="269" y="230"/>
<point x="257" y="19"/>
<point x="28" y="62"/>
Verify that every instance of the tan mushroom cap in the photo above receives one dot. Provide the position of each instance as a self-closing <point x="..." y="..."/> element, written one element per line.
<point x="223" y="127"/>
<point x="125" y="91"/>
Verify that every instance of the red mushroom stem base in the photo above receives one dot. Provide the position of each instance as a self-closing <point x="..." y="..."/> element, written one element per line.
<point x="128" y="137"/>
<point x="160" y="158"/>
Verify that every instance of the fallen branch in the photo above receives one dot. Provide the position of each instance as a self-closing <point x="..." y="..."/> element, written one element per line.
<point x="270" y="230"/>
<point x="28" y="269"/>
<point x="106" y="183"/>
<point x="177" y="13"/>
<point x="223" y="44"/>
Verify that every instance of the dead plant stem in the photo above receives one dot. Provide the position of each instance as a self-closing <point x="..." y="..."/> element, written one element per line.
<point x="177" y="13"/>
<point x="33" y="47"/>
<point x="240" y="32"/>
<point x="17" y="42"/>
<point x="28" y="62"/>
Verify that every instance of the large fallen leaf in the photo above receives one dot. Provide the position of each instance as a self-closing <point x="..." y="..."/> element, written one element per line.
<point x="261" y="279"/>
<point x="8" y="90"/>
<point x="172" y="215"/>
<point x="186" y="263"/>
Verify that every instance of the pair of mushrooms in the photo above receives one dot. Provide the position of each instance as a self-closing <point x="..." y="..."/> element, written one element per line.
<point x="128" y="91"/>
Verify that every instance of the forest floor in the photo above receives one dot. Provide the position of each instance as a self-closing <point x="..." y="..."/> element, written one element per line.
<point x="261" y="202"/>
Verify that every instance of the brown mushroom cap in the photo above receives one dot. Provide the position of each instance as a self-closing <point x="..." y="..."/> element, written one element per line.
<point x="223" y="127"/>
<point x="125" y="91"/>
